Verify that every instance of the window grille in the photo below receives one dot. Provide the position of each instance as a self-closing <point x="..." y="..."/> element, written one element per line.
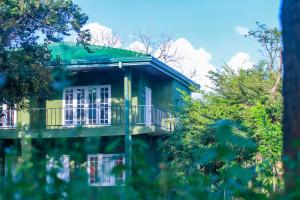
<point x="87" y="105"/>
<point x="106" y="169"/>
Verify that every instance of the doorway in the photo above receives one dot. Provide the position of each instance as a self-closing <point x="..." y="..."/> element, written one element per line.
<point x="148" y="106"/>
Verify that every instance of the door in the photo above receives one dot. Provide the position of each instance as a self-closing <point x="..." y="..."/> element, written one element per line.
<point x="148" y="106"/>
<point x="87" y="105"/>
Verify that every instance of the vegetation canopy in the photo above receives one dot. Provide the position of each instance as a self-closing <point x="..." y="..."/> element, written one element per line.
<point x="227" y="144"/>
<point x="27" y="28"/>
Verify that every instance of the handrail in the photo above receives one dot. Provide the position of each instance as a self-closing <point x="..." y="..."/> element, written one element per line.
<point x="150" y="115"/>
<point x="142" y="115"/>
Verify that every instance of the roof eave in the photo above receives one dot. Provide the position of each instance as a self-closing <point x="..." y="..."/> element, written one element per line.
<point x="173" y="73"/>
<point x="133" y="62"/>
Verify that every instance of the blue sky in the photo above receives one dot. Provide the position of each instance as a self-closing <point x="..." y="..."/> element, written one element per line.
<point x="207" y="24"/>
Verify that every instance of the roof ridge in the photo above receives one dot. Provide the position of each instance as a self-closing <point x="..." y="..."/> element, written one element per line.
<point x="99" y="47"/>
<point x="74" y="55"/>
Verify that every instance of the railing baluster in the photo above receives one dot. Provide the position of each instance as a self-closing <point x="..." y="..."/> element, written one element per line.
<point x="54" y="117"/>
<point x="46" y="122"/>
<point x="55" y="114"/>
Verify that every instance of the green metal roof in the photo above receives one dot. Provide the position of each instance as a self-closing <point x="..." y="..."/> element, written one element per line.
<point x="77" y="57"/>
<point x="70" y="53"/>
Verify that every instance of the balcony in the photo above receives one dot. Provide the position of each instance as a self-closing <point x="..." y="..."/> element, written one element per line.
<point x="113" y="117"/>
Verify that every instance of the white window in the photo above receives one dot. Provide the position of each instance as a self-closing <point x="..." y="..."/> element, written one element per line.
<point x="68" y="107"/>
<point x="87" y="105"/>
<point x="8" y="116"/>
<point x="106" y="169"/>
<point x="61" y="166"/>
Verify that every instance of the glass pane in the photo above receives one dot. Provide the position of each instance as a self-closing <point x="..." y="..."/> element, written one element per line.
<point x="68" y="107"/>
<point x="93" y="170"/>
<point x="80" y="111"/>
<point x="104" y="105"/>
<point x="92" y="106"/>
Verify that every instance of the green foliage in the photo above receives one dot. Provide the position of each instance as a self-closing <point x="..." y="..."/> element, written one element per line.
<point x="27" y="27"/>
<point x="270" y="42"/>
<point x="243" y="97"/>
<point x="220" y="165"/>
<point x="227" y="145"/>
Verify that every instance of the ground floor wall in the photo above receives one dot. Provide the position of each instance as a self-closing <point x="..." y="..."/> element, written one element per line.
<point x="146" y="153"/>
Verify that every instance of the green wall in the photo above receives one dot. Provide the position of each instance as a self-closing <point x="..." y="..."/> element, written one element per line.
<point x="177" y="100"/>
<point x="165" y="92"/>
<point x="162" y="93"/>
<point x="22" y="118"/>
<point x="113" y="78"/>
<point x="165" y="95"/>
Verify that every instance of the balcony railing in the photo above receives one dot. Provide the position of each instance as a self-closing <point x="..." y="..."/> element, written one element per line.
<point x="8" y="118"/>
<point x="93" y="116"/>
<point x="76" y="116"/>
<point x="150" y="115"/>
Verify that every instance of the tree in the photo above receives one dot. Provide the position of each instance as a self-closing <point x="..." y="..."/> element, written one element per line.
<point x="270" y="41"/>
<point x="241" y="96"/>
<point x="291" y="87"/>
<point x="103" y="36"/>
<point x="160" y="46"/>
<point x="251" y="97"/>
<point x="27" y="27"/>
<point x="271" y="50"/>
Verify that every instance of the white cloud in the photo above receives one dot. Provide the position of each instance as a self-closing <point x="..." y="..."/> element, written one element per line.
<point x="240" y="60"/>
<point x="241" y="30"/>
<point x="102" y="35"/>
<point x="193" y="63"/>
<point x="138" y="46"/>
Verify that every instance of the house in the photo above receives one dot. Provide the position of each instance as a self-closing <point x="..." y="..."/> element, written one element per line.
<point x="114" y="95"/>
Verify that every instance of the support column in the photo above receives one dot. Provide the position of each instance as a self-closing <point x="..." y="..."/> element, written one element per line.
<point x="128" y="123"/>
<point x="26" y="149"/>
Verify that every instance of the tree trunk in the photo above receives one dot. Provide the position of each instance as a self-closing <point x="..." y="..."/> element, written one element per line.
<point x="2" y="164"/>
<point x="276" y="85"/>
<point x="274" y="182"/>
<point x="290" y="19"/>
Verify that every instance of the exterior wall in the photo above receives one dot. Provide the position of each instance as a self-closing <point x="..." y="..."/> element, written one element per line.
<point x="137" y="78"/>
<point x="164" y="90"/>
<point x="177" y="100"/>
<point x="78" y="149"/>
<point x="22" y="118"/>
<point x="113" y="78"/>
<point x="165" y="95"/>
<point x="162" y="93"/>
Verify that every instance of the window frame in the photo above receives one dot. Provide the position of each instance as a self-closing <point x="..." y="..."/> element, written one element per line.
<point x="113" y="180"/>
<point x="86" y="105"/>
